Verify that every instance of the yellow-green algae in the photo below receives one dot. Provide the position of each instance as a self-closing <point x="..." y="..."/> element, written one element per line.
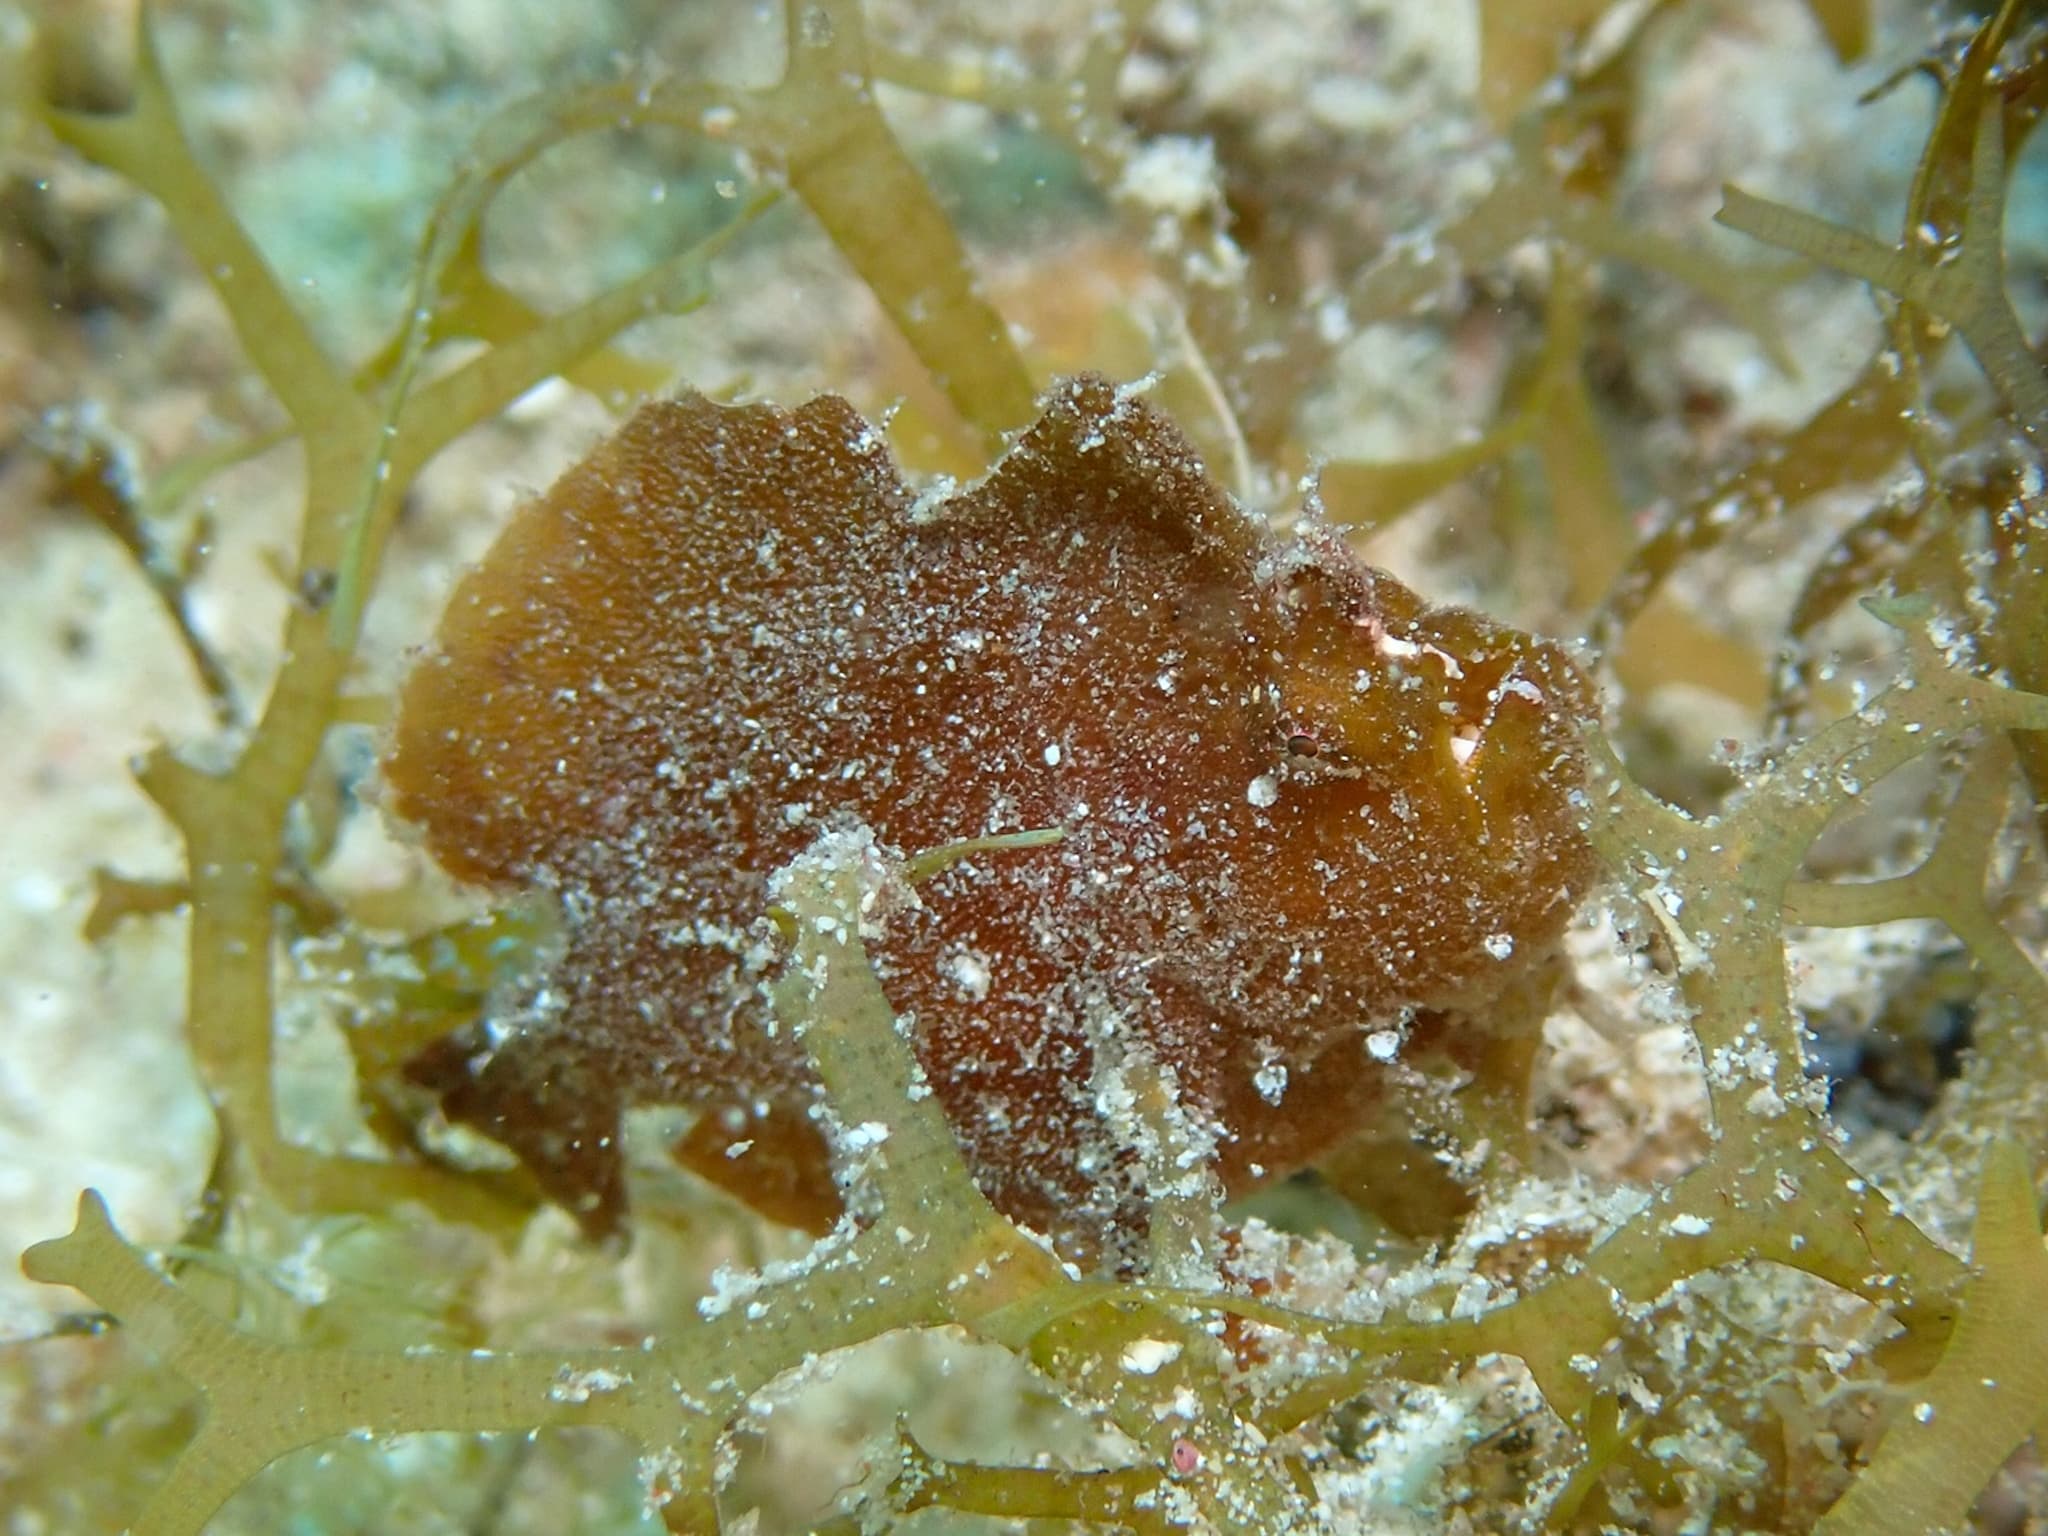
<point x="1964" y="1379"/>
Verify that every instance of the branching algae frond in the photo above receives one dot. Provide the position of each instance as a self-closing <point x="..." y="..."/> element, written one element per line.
<point x="1036" y="865"/>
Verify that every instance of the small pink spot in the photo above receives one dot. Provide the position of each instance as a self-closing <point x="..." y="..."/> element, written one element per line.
<point x="1185" y="1457"/>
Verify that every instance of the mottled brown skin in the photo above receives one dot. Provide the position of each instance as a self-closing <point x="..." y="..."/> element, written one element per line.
<point x="1298" y="802"/>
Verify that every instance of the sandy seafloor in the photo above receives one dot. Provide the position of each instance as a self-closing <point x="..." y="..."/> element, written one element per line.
<point x="332" y="126"/>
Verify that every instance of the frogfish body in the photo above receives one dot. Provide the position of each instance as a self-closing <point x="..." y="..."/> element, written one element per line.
<point x="1300" y="806"/>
